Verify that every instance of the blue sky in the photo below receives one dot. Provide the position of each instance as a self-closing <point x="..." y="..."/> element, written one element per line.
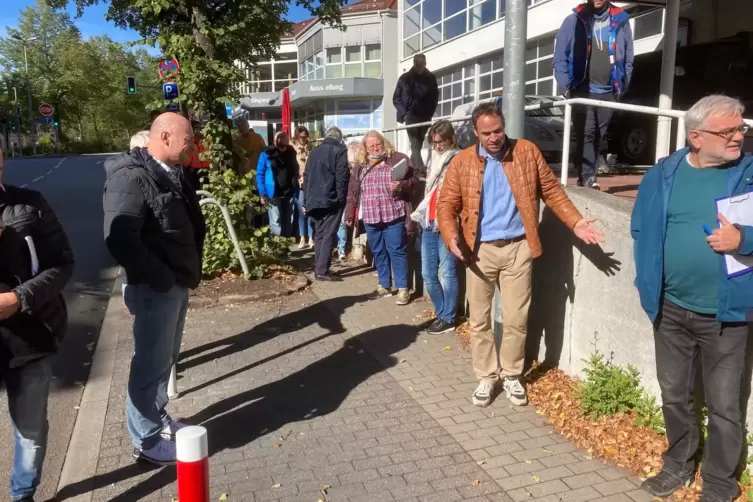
<point x="93" y="23"/>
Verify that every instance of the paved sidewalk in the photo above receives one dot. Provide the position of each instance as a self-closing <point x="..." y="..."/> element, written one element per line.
<point x="325" y="388"/>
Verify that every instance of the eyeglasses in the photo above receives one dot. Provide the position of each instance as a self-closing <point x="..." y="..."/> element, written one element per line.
<point x="440" y="142"/>
<point x="375" y="146"/>
<point x="728" y="134"/>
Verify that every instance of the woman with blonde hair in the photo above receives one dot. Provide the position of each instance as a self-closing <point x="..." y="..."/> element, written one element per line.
<point x="302" y="147"/>
<point x="438" y="264"/>
<point x="383" y="203"/>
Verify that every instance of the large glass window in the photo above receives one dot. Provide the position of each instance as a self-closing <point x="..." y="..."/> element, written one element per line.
<point x="538" y="72"/>
<point x="358" y="115"/>
<point x="649" y="24"/>
<point x="372" y="60"/>
<point x="456" y="86"/>
<point x="270" y="76"/>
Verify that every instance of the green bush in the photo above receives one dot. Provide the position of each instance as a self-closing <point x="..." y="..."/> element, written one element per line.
<point x="609" y="389"/>
<point x="259" y="247"/>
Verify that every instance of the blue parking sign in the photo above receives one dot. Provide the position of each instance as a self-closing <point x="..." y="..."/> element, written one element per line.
<point x="229" y="110"/>
<point x="170" y="90"/>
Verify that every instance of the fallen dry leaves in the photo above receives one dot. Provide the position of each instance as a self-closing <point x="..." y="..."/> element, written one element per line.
<point x="464" y="335"/>
<point x="616" y="438"/>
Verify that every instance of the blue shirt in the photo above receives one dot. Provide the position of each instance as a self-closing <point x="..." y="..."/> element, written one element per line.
<point x="499" y="218"/>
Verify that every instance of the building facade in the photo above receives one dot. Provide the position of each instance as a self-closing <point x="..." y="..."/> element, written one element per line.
<point x="334" y="77"/>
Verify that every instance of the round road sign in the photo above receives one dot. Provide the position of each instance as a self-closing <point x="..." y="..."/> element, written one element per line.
<point x="46" y="109"/>
<point x="169" y="68"/>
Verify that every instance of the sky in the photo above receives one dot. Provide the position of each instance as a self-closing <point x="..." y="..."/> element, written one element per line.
<point x="92" y="22"/>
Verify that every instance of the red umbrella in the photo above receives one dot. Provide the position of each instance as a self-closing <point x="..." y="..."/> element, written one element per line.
<point x="286" y="111"/>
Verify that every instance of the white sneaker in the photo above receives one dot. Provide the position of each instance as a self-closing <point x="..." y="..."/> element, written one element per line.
<point x="162" y="453"/>
<point x="302" y="244"/>
<point x="482" y="396"/>
<point x="515" y="391"/>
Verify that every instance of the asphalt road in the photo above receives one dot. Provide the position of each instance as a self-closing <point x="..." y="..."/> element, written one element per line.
<point x="73" y="187"/>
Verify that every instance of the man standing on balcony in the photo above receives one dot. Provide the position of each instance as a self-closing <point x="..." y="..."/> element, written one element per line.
<point x="415" y="99"/>
<point x="493" y="189"/>
<point x="593" y="59"/>
<point x="696" y="309"/>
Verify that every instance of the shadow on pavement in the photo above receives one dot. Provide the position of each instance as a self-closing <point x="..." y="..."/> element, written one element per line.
<point x="314" y="391"/>
<point x="287" y="323"/>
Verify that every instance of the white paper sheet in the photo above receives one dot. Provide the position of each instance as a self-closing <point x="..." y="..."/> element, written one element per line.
<point x="737" y="209"/>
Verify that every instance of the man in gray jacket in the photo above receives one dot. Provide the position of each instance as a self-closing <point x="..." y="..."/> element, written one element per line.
<point x="155" y="230"/>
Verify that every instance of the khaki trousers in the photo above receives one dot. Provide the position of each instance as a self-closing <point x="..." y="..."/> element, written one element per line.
<point x="508" y="264"/>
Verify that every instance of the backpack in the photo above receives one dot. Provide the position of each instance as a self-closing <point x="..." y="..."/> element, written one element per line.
<point x="283" y="171"/>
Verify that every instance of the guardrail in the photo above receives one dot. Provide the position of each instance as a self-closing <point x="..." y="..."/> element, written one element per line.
<point x="567" y="104"/>
<point x="172" y="386"/>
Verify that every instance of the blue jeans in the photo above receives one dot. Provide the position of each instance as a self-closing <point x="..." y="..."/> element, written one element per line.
<point x="157" y="333"/>
<point x="304" y="222"/>
<point x="342" y="236"/>
<point x="439" y="270"/>
<point x="389" y="244"/>
<point x="280" y="212"/>
<point x="28" y="388"/>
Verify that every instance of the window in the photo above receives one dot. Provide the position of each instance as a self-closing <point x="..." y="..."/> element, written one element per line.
<point x="334" y="56"/>
<point x="539" y="74"/>
<point x="482" y="13"/>
<point x="354" y="115"/>
<point x="456" y="86"/>
<point x="455" y="26"/>
<point x="491" y="75"/>
<point x="353" y="61"/>
<point x="373" y="61"/>
<point x="649" y="24"/>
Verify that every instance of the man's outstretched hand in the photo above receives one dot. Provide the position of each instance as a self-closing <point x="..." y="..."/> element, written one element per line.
<point x="454" y="247"/>
<point x="725" y="239"/>
<point x="588" y="234"/>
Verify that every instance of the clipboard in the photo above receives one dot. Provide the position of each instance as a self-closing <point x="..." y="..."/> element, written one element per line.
<point x="738" y="209"/>
<point x="400" y="170"/>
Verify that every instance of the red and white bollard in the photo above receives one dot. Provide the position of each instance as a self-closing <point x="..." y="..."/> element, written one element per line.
<point x="193" y="464"/>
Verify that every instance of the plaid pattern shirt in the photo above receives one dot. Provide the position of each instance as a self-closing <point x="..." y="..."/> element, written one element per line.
<point x="378" y="205"/>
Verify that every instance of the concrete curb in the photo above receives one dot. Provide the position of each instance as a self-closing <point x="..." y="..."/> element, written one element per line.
<point x="81" y="459"/>
<point x="299" y="284"/>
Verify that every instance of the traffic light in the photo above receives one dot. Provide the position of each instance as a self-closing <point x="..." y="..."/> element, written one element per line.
<point x="131" y="85"/>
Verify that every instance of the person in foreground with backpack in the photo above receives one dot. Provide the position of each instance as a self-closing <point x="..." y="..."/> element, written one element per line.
<point x="439" y="267"/>
<point x="277" y="182"/>
<point x="33" y="320"/>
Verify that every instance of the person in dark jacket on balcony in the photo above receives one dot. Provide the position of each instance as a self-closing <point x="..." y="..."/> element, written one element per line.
<point x="593" y="59"/>
<point x="36" y="262"/>
<point x="326" y="189"/>
<point x="415" y="99"/>
<point x="155" y="230"/>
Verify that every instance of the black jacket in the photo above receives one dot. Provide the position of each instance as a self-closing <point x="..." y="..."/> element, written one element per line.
<point x="37" y="329"/>
<point x="416" y="96"/>
<point x="327" y="175"/>
<point x="153" y="228"/>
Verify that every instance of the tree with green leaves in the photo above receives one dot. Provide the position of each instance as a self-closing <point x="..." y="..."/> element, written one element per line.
<point x="208" y="38"/>
<point x="83" y="79"/>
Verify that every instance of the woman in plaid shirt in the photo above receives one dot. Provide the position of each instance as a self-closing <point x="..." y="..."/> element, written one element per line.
<point x="384" y="206"/>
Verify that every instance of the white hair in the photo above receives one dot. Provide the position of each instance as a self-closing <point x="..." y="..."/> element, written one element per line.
<point x="334" y="133"/>
<point x="140" y="139"/>
<point x="715" y="104"/>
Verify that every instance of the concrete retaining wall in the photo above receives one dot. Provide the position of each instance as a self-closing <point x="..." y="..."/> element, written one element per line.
<point x="584" y="297"/>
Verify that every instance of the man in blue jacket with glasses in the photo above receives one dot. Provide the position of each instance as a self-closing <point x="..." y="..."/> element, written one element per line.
<point x="685" y="290"/>
<point x="593" y="58"/>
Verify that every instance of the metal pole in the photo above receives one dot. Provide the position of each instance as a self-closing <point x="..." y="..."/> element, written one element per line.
<point x="566" y="144"/>
<point x="31" y="117"/>
<point x="231" y="231"/>
<point x="680" y="138"/>
<point x="671" y="21"/>
<point x="516" y="14"/>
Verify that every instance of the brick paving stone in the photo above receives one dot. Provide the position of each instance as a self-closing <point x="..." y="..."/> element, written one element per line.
<point x="309" y="390"/>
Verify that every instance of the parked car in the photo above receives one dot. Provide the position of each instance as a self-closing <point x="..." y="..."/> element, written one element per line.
<point x="545" y="127"/>
<point x="723" y="66"/>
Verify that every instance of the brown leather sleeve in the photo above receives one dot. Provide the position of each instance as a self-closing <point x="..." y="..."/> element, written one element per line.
<point x="450" y="202"/>
<point x="554" y="195"/>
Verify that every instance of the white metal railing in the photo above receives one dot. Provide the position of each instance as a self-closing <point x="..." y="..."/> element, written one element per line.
<point x="567" y="104"/>
<point x="172" y="384"/>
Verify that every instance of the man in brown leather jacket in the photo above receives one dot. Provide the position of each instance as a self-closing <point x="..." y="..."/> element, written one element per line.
<point x="493" y="189"/>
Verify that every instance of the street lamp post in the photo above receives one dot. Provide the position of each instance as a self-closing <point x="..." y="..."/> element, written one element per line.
<point x="28" y="88"/>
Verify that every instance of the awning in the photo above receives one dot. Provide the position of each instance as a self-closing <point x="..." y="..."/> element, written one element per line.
<point x="308" y="91"/>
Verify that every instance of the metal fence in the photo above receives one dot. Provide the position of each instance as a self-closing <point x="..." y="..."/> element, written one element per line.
<point x="567" y="104"/>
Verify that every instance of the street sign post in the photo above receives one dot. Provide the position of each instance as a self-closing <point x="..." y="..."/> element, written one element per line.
<point x="170" y="90"/>
<point x="228" y="110"/>
<point x="47" y="120"/>
<point x="46" y="109"/>
<point x="173" y="107"/>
